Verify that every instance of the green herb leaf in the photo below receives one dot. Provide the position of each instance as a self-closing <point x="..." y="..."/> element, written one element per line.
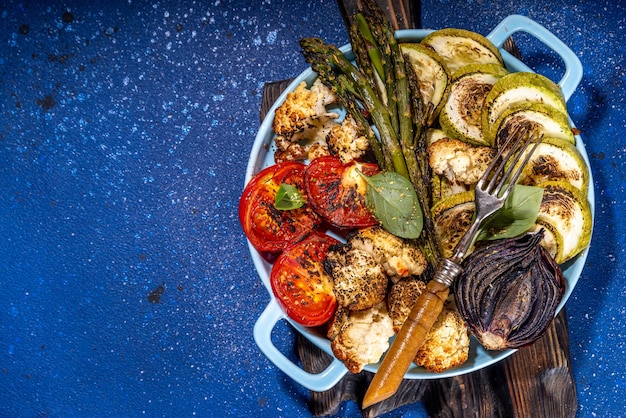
<point x="393" y="201"/>
<point x="288" y="197"/>
<point x="517" y="216"/>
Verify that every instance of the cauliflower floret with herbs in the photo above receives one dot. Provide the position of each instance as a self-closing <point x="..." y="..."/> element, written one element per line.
<point x="358" y="280"/>
<point x="346" y="141"/>
<point x="362" y="267"/>
<point x="401" y="298"/>
<point x="398" y="257"/>
<point x="302" y="123"/>
<point x="459" y="162"/>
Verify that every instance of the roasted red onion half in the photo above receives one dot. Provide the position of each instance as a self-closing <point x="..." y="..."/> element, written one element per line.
<point x="509" y="291"/>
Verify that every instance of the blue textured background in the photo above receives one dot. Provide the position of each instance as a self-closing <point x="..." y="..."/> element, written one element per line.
<point x="124" y="133"/>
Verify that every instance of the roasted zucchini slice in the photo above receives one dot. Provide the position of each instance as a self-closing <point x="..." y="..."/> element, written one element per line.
<point x="461" y="116"/>
<point x="567" y="210"/>
<point x="460" y="47"/>
<point x="517" y="88"/>
<point x="434" y="135"/>
<point x="556" y="159"/>
<point x="433" y="77"/>
<point x="542" y="117"/>
<point x="564" y="213"/>
<point x="452" y="217"/>
<point x="552" y="239"/>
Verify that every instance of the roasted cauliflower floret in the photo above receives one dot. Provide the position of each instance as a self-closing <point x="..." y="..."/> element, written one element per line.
<point x="461" y="163"/>
<point x="447" y="343"/>
<point x="358" y="280"/>
<point x="401" y="298"/>
<point x="302" y="122"/>
<point x="316" y="150"/>
<point x="361" y="337"/>
<point x="346" y="141"/>
<point x="301" y="106"/>
<point x="398" y="257"/>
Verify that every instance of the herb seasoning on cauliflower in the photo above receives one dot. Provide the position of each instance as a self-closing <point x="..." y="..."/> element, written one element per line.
<point x="362" y="267"/>
<point x="398" y="257"/>
<point x="461" y="163"/>
<point x="358" y="280"/>
<point x="447" y="343"/>
<point x="401" y="298"/>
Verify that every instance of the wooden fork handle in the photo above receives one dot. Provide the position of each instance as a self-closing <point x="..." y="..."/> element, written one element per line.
<point x="406" y="344"/>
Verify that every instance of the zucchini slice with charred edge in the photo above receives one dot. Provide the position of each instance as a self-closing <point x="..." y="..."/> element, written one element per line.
<point x="542" y="117"/>
<point x="432" y="75"/>
<point x="552" y="238"/>
<point x="452" y="216"/>
<point x="518" y="88"/>
<point x="460" y="47"/>
<point x="434" y="135"/>
<point x="556" y="159"/>
<point x="567" y="210"/>
<point x="461" y="116"/>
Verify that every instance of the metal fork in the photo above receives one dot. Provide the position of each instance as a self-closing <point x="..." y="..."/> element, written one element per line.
<point x="490" y="194"/>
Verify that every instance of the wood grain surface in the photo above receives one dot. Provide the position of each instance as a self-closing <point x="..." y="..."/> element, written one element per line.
<point x="535" y="381"/>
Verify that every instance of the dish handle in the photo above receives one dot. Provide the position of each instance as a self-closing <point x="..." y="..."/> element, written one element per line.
<point x="516" y="23"/>
<point x="262" y="335"/>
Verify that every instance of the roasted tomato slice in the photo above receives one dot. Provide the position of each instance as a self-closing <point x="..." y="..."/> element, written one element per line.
<point x="337" y="191"/>
<point x="300" y="284"/>
<point x="267" y="228"/>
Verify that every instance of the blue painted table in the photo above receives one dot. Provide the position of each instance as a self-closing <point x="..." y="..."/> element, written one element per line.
<point x="127" y="288"/>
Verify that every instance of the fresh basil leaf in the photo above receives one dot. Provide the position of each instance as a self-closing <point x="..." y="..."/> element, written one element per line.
<point x="393" y="201"/>
<point x="288" y="197"/>
<point x="517" y="216"/>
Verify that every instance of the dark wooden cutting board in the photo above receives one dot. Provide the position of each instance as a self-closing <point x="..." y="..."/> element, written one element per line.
<point x="536" y="381"/>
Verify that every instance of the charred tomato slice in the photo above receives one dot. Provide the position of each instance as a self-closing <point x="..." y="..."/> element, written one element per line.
<point x="300" y="284"/>
<point x="336" y="191"/>
<point x="267" y="228"/>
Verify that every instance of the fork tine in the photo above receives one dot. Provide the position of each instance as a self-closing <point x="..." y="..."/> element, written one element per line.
<point x="514" y="171"/>
<point x="519" y="136"/>
<point x="491" y="174"/>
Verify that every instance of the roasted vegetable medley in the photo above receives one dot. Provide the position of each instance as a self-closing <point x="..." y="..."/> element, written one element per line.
<point x="375" y="166"/>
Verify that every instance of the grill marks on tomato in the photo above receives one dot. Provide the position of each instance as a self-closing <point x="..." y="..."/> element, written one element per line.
<point x="343" y="197"/>
<point x="279" y="220"/>
<point x="267" y="228"/>
<point x="353" y="198"/>
<point x="334" y="192"/>
<point x="337" y="192"/>
<point x="305" y="284"/>
<point x="301" y="285"/>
